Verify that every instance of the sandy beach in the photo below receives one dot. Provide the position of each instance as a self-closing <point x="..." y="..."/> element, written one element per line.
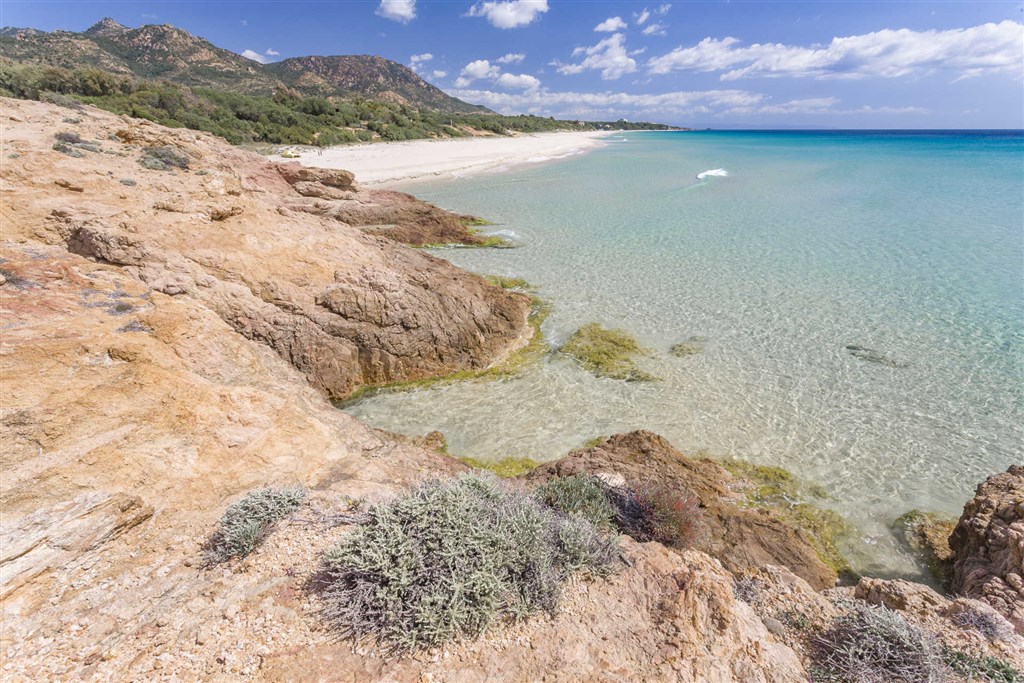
<point x="386" y="163"/>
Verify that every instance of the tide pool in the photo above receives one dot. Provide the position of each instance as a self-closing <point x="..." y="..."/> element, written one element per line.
<point x="859" y="295"/>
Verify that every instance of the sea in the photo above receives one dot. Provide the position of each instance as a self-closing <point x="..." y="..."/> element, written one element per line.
<point x="857" y="298"/>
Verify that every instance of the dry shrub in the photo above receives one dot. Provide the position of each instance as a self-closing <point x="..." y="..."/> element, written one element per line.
<point x="655" y="512"/>
<point x="248" y="522"/>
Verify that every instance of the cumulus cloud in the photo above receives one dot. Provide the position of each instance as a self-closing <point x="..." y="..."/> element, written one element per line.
<point x="641" y="19"/>
<point x="416" y="61"/>
<point x="985" y="49"/>
<point x="509" y="13"/>
<point x="272" y="52"/>
<point x="663" y="9"/>
<point x="611" y="25"/>
<point x="402" y="11"/>
<point x="609" y="56"/>
<point x="518" y="82"/>
<point x="255" y="56"/>
<point x="439" y="74"/>
<point x="511" y="58"/>
<point x="655" y="29"/>
<point x="610" y="105"/>
<point x="475" y="70"/>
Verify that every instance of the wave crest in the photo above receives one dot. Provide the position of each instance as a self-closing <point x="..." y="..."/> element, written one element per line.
<point x="712" y="172"/>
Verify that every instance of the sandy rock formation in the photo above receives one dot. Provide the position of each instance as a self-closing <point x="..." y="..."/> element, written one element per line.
<point x="344" y="307"/>
<point x="988" y="544"/>
<point x="741" y="538"/>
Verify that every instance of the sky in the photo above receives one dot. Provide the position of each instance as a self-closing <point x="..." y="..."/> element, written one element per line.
<point x="718" y="64"/>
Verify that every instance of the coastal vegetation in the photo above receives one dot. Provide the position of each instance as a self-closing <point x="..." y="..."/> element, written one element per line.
<point x="607" y="353"/>
<point x="285" y="118"/>
<point x="446" y="560"/>
<point x="246" y="523"/>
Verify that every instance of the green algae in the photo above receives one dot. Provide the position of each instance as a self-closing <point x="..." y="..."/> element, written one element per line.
<point x="505" y="468"/>
<point x="777" y="490"/>
<point x="513" y="283"/>
<point x="607" y="353"/>
<point x="927" y="536"/>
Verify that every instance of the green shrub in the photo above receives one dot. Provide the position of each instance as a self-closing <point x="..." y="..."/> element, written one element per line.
<point x="580" y="495"/>
<point x="655" y="512"/>
<point x="446" y="560"/>
<point x="68" y="136"/>
<point x="981" y="667"/>
<point x="247" y="523"/>
<point x="162" y="158"/>
<point x="876" y="645"/>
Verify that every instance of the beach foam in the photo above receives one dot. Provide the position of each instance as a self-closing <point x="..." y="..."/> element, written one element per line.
<point x="719" y="172"/>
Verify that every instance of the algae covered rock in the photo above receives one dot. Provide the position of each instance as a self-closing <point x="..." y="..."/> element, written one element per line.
<point x="927" y="534"/>
<point x="607" y="353"/>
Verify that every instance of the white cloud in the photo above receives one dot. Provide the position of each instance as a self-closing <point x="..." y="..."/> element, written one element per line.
<point x="402" y="11"/>
<point x="255" y="56"/>
<point x="985" y="49"/>
<point x="611" y="105"/>
<point x="663" y="9"/>
<point x="272" y="52"/>
<point x="416" y="61"/>
<point x="439" y="74"/>
<point x="611" y="25"/>
<point x="642" y="17"/>
<point x="609" y="56"/>
<point x="511" y="58"/>
<point x="655" y="29"/>
<point x="509" y="13"/>
<point x="475" y="70"/>
<point x="518" y="82"/>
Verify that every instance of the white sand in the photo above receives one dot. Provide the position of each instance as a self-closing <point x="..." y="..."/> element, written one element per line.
<point x="390" y="162"/>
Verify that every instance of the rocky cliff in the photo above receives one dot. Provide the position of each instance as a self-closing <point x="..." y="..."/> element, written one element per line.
<point x="175" y="313"/>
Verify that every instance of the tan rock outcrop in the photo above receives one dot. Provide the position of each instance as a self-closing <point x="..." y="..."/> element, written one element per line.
<point x="344" y="307"/>
<point x="741" y="538"/>
<point x="988" y="545"/>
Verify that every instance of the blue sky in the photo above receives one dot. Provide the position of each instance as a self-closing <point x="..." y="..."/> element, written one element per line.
<point x="718" y="64"/>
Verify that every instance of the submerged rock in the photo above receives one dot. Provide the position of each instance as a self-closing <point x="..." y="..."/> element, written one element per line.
<point x="607" y="353"/>
<point x="872" y="356"/>
<point x="928" y="536"/>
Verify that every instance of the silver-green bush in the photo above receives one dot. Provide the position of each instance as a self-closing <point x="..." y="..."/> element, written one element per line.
<point x="578" y="494"/>
<point x="877" y="645"/>
<point x="446" y="560"/>
<point x="247" y="523"/>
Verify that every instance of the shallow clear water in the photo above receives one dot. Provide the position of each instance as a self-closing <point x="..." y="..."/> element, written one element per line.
<point x="911" y="245"/>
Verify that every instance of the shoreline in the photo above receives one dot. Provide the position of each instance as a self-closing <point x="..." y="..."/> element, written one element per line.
<point x="381" y="164"/>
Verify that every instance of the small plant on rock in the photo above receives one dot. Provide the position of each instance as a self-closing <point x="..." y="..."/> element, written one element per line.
<point x="876" y="645"/>
<point x="163" y="158"/>
<point x="248" y="522"/>
<point x="655" y="512"/>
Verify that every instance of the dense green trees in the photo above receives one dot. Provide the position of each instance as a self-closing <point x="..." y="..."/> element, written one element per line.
<point x="285" y="118"/>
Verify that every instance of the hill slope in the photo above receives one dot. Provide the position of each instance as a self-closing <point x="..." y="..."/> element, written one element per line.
<point x="168" y="53"/>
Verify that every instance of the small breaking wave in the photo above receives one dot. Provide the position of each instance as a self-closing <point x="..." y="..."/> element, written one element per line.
<point x="712" y="172"/>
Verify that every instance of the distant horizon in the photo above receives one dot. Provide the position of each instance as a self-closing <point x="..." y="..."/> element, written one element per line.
<point x="736" y="65"/>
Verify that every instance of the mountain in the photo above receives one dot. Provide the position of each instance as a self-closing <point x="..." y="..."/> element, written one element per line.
<point x="165" y="52"/>
<point x="373" y="77"/>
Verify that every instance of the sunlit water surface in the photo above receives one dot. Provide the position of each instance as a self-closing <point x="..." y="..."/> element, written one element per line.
<point x="795" y="247"/>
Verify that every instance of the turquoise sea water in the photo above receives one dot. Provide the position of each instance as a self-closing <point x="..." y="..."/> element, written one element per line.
<point x="907" y="244"/>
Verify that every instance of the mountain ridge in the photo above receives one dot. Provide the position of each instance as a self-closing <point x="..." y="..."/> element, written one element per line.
<point x="166" y="52"/>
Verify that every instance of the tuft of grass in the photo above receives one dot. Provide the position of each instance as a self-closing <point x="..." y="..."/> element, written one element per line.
<point x="981" y="667"/>
<point x="247" y="523"/>
<point x="505" y="468"/>
<point x="163" y="158"/>
<point x="607" y="353"/>
<point x="655" y="512"/>
<point x="578" y="494"/>
<point x="450" y="558"/>
<point x="875" y="644"/>
<point x="779" y="491"/>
